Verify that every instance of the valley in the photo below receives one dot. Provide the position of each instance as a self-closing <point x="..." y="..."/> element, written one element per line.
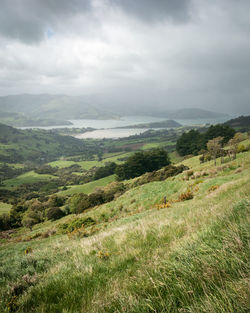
<point x="70" y="226"/>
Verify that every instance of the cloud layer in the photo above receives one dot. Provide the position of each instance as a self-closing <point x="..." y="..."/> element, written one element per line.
<point x="159" y="54"/>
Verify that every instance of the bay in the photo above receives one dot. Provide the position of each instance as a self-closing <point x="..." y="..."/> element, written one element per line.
<point x="107" y="128"/>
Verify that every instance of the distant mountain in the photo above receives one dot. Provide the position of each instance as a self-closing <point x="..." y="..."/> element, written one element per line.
<point x="58" y="107"/>
<point x="62" y="107"/>
<point x="193" y="113"/>
<point x="163" y="124"/>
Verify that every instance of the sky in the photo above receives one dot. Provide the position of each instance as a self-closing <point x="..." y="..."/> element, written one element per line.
<point x="147" y="53"/>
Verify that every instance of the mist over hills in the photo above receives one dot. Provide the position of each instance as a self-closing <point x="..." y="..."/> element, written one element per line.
<point x="53" y="106"/>
<point x="46" y="109"/>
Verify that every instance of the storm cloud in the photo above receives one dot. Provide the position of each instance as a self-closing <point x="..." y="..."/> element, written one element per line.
<point x="144" y="53"/>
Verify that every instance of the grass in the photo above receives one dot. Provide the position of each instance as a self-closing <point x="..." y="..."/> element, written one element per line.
<point x="62" y="163"/>
<point x="27" y="178"/>
<point x="4" y="207"/>
<point x="89" y="164"/>
<point x="89" y="187"/>
<point x="175" y="157"/>
<point x="152" y="145"/>
<point x="190" y="257"/>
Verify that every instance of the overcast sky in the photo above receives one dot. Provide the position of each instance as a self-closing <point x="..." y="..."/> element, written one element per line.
<point x="171" y="53"/>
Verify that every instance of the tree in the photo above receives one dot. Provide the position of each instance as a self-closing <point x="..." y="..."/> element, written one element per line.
<point x="215" y="131"/>
<point x="214" y="146"/>
<point x="234" y="142"/>
<point x="142" y="162"/>
<point x="189" y="143"/>
<point x="193" y="141"/>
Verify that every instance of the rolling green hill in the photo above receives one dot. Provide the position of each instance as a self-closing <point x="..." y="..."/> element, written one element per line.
<point x="241" y="123"/>
<point x="39" y="146"/>
<point x="20" y="120"/>
<point x="137" y="254"/>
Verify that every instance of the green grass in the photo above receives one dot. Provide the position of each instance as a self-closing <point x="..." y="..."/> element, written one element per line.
<point x="61" y="163"/>
<point x="4" y="207"/>
<point x="191" y="257"/>
<point x="27" y="178"/>
<point x="89" y="187"/>
<point x="89" y="164"/>
<point x="152" y="145"/>
<point x="17" y="165"/>
<point x="175" y="157"/>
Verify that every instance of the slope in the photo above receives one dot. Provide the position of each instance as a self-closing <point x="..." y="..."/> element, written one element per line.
<point x="188" y="256"/>
<point x="35" y="145"/>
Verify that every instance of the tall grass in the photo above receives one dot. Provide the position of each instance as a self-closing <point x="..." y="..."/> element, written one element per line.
<point x="191" y="257"/>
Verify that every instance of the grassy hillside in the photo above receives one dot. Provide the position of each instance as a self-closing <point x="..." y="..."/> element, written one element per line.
<point x="89" y="187"/>
<point x="141" y="255"/>
<point x="241" y="123"/>
<point x="27" y="178"/>
<point x="19" y="120"/>
<point x="17" y="146"/>
<point x="86" y="165"/>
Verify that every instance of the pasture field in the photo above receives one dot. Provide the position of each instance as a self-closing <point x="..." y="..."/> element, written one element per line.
<point x="86" y="165"/>
<point x="88" y="187"/>
<point x="141" y="256"/>
<point x="152" y="145"/>
<point x="26" y="178"/>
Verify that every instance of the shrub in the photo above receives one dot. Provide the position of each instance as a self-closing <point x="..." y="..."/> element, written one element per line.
<point x="79" y="202"/>
<point x="54" y="213"/>
<point x="241" y="148"/>
<point x="190" y="173"/>
<point x="28" y="250"/>
<point x="56" y="201"/>
<point x="188" y="195"/>
<point x="213" y="188"/>
<point x="5" y="222"/>
<point x="96" y="197"/>
<point x="31" y="218"/>
<point x="104" y="171"/>
<point x="160" y="175"/>
<point x="76" y="224"/>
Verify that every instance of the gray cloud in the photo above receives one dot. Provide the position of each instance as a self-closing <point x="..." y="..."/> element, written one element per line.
<point x="156" y="10"/>
<point x="138" y="54"/>
<point x="28" y="20"/>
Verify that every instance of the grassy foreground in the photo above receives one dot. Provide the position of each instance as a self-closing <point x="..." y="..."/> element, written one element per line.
<point x="189" y="257"/>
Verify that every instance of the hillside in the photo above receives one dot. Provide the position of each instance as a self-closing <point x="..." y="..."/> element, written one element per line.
<point x="163" y="124"/>
<point x="241" y="123"/>
<point x="193" y="114"/>
<point x="21" y="120"/>
<point x="36" y="145"/>
<point x="136" y="254"/>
